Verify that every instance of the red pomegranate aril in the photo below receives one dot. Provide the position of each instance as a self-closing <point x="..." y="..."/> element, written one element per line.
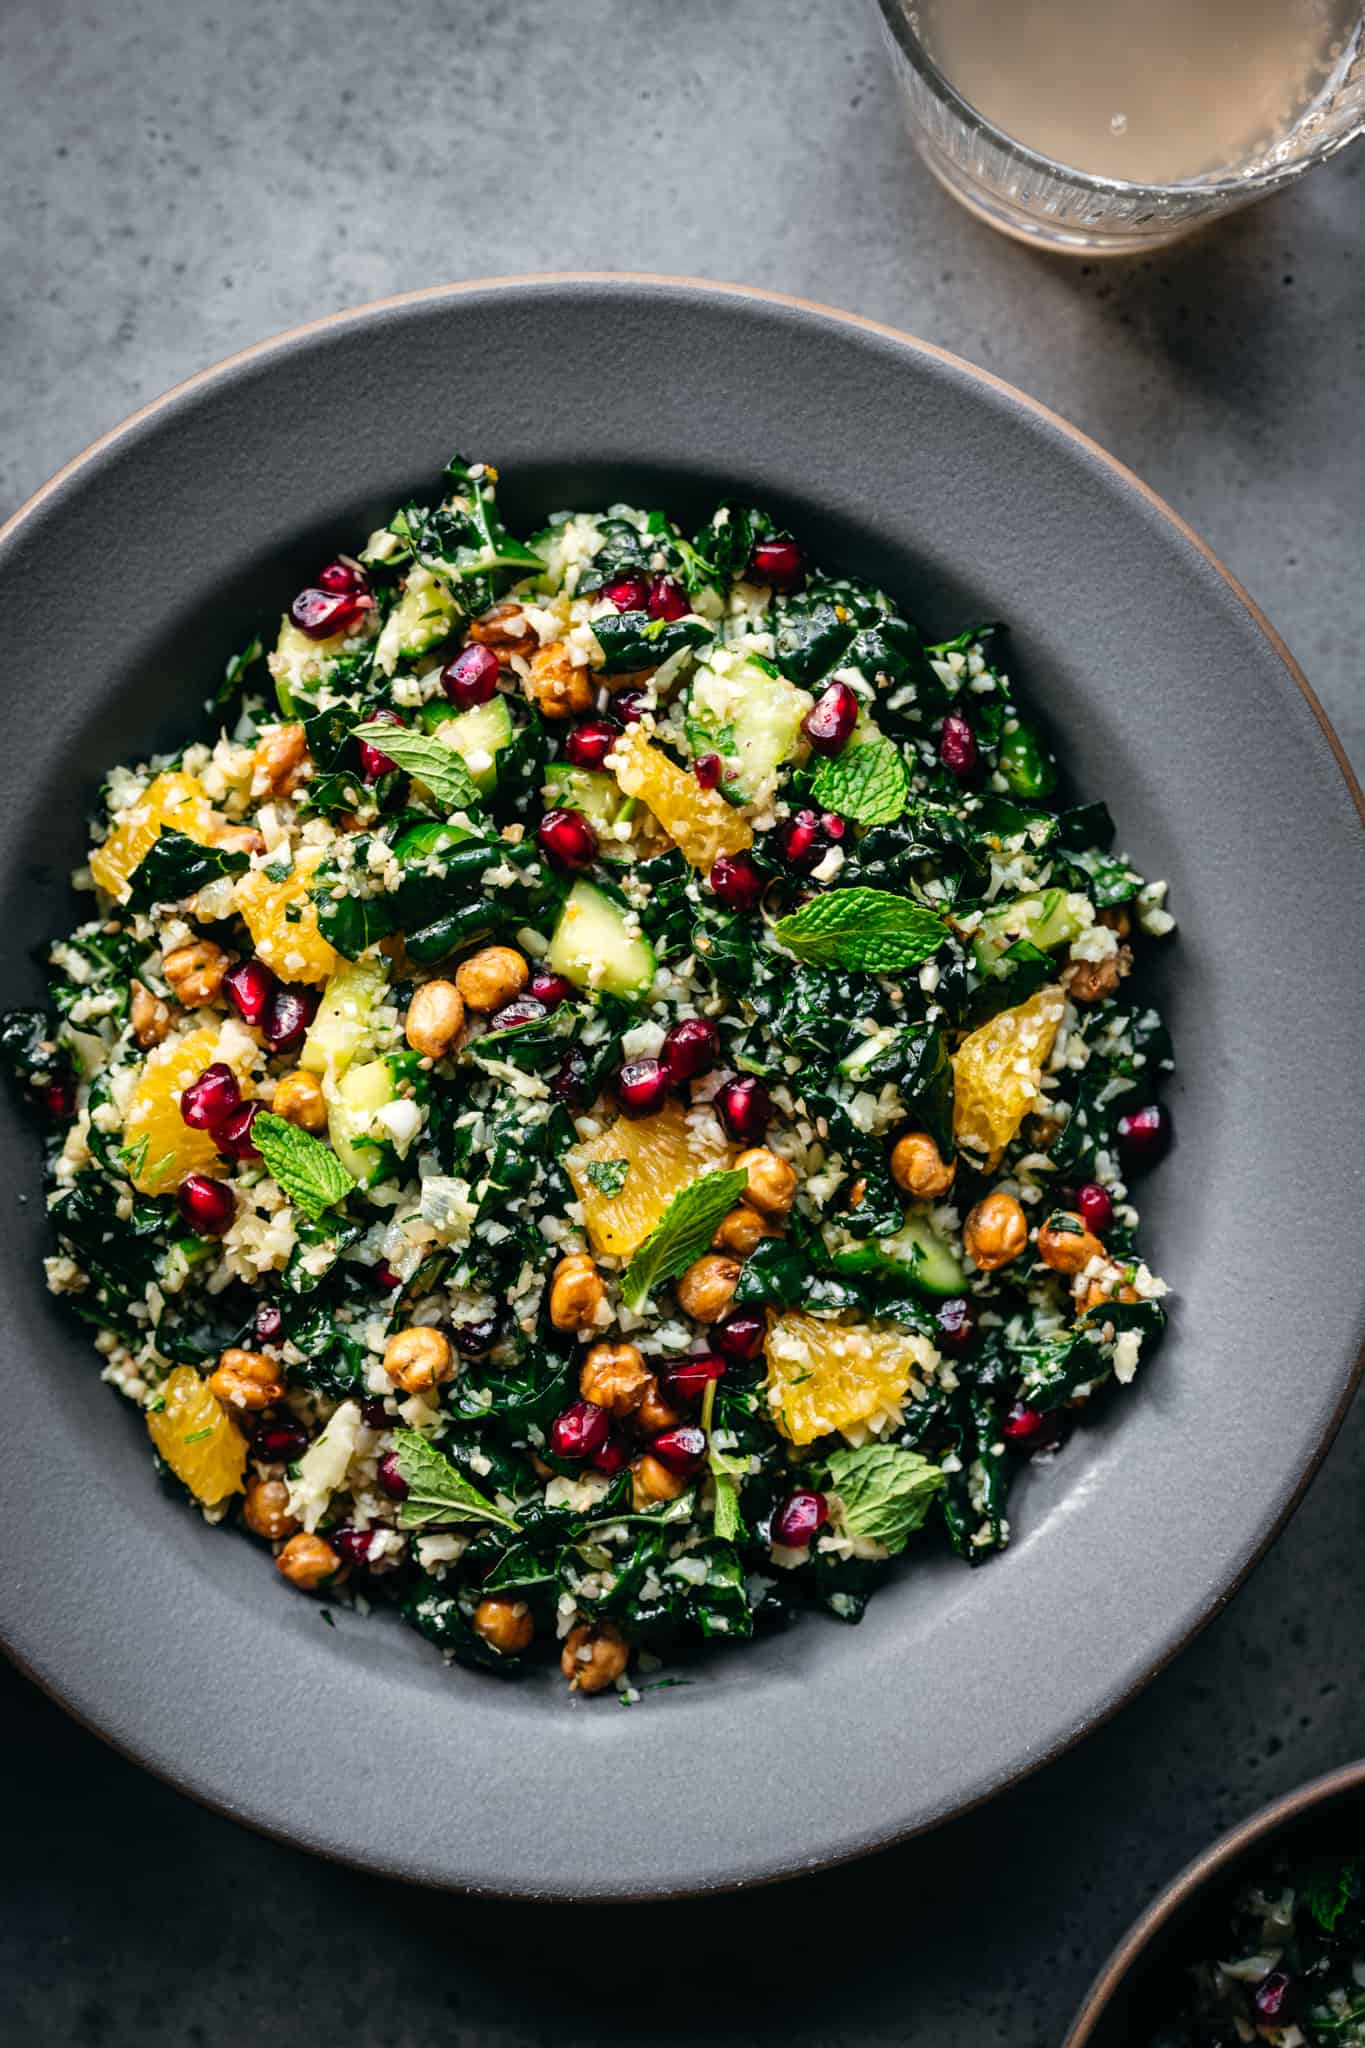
<point x="476" y="1339"/>
<point x="249" y="988"/>
<point x="707" y="768"/>
<point x="736" y="883"/>
<point x="681" y="1448"/>
<point x="373" y="1413"/>
<point x="740" y="1337"/>
<point x="288" y="1013"/>
<point x="343" y="579"/>
<point x="233" y="1135"/>
<point x="627" y="593"/>
<point x="745" y="1109"/>
<point x="1024" y="1425"/>
<point x="956" y="1320"/>
<point x="206" y="1205"/>
<point x="1144" y="1134"/>
<point x="354" y="1544"/>
<point x="801" y="1516"/>
<point x="278" y="1442"/>
<point x="612" y="1456"/>
<point x="581" y="1430"/>
<point x="668" y="599"/>
<point x="1273" y="1999"/>
<point x="268" y="1323"/>
<point x="385" y="1278"/>
<point x="471" y="676"/>
<point x="390" y="1477"/>
<point x="550" y="990"/>
<point x="567" y="840"/>
<point x="321" y="613"/>
<point x="805" y="839"/>
<point x="778" y="563"/>
<point x="1096" y="1207"/>
<point x="642" y="1087"/>
<point x="831" y="719"/>
<point x="521" y="1010"/>
<point x="59" y="1096"/>
<point x="629" y="705"/>
<point x="373" y="763"/>
<point x="691" y="1047"/>
<point x="210" y="1097"/>
<point x="587" y="745"/>
<point x="957" y="745"/>
<point x="690" y="1377"/>
<point x="571" y="1084"/>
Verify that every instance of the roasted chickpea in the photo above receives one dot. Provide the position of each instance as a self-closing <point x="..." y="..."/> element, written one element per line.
<point x="741" y="1231"/>
<point x="435" y="1018"/>
<point x="651" y="1481"/>
<point x="300" y="1101"/>
<point x="418" y="1359"/>
<point x="246" y="1381"/>
<point x="594" y="1657"/>
<point x="491" y="978"/>
<point x="506" y="628"/>
<point x="654" y="1413"/>
<point x="577" y="1291"/>
<point x="280" y="762"/>
<point x="1099" y="1293"/>
<point x="505" y="1624"/>
<point x="195" y="972"/>
<point x="995" y="1232"/>
<point x="1090" y="981"/>
<point x="559" y="687"/>
<point x="310" y="1564"/>
<point x="266" y="1509"/>
<point x="707" y="1288"/>
<point x="1065" y="1244"/>
<point x="919" y="1168"/>
<point x="772" y="1183"/>
<point x="148" y="1015"/>
<point x="615" y="1377"/>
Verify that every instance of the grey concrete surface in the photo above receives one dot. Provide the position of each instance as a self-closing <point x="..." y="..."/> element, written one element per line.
<point x="180" y="180"/>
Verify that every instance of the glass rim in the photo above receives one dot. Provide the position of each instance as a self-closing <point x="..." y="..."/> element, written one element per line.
<point x="894" y="14"/>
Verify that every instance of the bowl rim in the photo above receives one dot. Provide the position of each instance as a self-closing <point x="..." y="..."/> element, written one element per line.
<point x="645" y="281"/>
<point x="1203" y="1870"/>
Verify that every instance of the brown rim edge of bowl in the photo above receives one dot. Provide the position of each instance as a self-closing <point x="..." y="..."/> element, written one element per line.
<point x="433" y="294"/>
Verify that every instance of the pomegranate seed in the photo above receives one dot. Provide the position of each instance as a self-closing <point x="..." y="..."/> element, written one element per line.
<point x="736" y="883"/>
<point x="668" y="599"/>
<point x="233" y="1135"/>
<point x="355" y="1544"/>
<point x="1272" y="1997"/>
<point x="831" y="719"/>
<point x="690" y="1377"/>
<point x="800" y="1517"/>
<point x="249" y="988"/>
<point x="588" y="744"/>
<point x="957" y="745"/>
<point x="1144" y="1134"/>
<point x="740" y="1337"/>
<point x="288" y="1013"/>
<point x="745" y="1108"/>
<point x="59" y="1096"/>
<point x="343" y="580"/>
<point x="778" y="563"/>
<point x="473" y="1340"/>
<point x="571" y="1083"/>
<point x="691" y="1047"/>
<point x="373" y="764"/>
<point x="210" y="1097"/>
<point x="642" y="1087"/>
<point x="206" y="1205"/>
<point x="390" y="1478"/>
<point x="567" y="840"/>
<point x="956" y="1324"/>
<point x="1097" y="1210"/>
<point x="385" y="1278"/>
<point x="1024" y="1425"/>
<point x="471" y="676"/>
<point x="321" y="613"/>
<point x="268" y="1322"/>
<point x="627" y="593"/>
<point x="612" y="1456"/>
<point x="550" y="990"/>
<point x="522" y="1009"/>
<point x="681" y="1448"/>
<point x="706" y="768"/>
<point x="373" y="1413"/>
<point x="581" y="1430"/>
<point x="629" y="705"/>
<point x="279" y="1443"/>
<point x="805" y="839"/>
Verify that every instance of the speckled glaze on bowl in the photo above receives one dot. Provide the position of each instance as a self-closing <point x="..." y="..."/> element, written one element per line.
<point x="125" y="585"/>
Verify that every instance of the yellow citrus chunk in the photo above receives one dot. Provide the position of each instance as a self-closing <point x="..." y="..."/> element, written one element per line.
<point x="177" y="802"/>
<point x="700" y="820"/>
<point x="283" y="921"/>
<point x="663" y="1154"/>
<point x="996" y="1072"/>
<point x="192" y="1432"/>
<point x="171" y="1148"/>
<point x="825" y="1375"/>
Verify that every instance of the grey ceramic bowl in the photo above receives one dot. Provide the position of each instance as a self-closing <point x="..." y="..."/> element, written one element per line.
<point x="1142" y="1980"/>
<point x="124" y="586"/>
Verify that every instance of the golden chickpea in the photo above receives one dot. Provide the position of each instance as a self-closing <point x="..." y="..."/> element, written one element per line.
<point x="707" y="1288"/>
<point x="435" y="1019"/>
<point x="1099" y="1293"/>
<point x="594" y="1657"/>
<point x="491" y="978"/>
<point x="418" y="1359"/>
<point x="505" y="1624"/>
<point x="310" y="1564"/>
<point x="918" y="1167"/>
<point x="505" y="628"/>
<point x="651" y="1481"/>
<point x="772" y="1182"/>
<point x="1065" y="1244"/>
<point x="615" y="1377"/>
<point x="195" y="972"/>
<point x="148" y="1015"/>
<point x="246" y="1381"/>
<point x="1090" y="981"/>
<point x="266" y="1509"/>
<point x="741" y="1231"/>
<point x="654" y="1413"/>
<point x="280" y="761"/>
<point x="560" y="687"/>
<point x="577" y="1291"/>
<point x="995" y="1232"/>
<point x="300" y="1101"/>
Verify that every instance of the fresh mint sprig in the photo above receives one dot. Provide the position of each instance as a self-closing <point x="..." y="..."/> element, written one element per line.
<point x="871" y="929"/>
<point x="309" y="1172"/>
<point x="430" y="760"/>
<point x="681" y="1235"/>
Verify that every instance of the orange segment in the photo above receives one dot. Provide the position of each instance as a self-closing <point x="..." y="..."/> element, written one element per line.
<point x="663" y="1155"/>
<point x="700" y="820"/>
<point x="996" y="1071"/>
<point x="177" y="802"/>
<point x="172" y="1149"/>
<point x="291" y="945"/>
<point x="194" y="1436"/>
<point x="825" y="1376"/>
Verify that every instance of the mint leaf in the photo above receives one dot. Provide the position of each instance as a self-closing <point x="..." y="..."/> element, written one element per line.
<point x="429" y="759"/>
<point x="862" y="928"/>
<point x="868" y="781"/>
<point x="176" y="866"/>
<point x="309" y="1172"/>
<point x="682" y="1234"/>
<point x="885" y="1491"/>
<point x="608" y="1176"/>
<point x="437" y="1490"/>
<point x="1327" y="1893"/>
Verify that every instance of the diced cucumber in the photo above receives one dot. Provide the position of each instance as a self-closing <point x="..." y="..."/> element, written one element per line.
<point x="916" y="1254"/>
<point x="424" y="615"/>
<point x="428" y="837"/>
<point x="298" y="662"/>
<point x="363" y="1147"/>
<point x="592" y="948"/>
<point x="1051" y="918"/>
<point x="342" y="1022"/>
<point x="476" y="737"/>
<point x="744" y="711"/>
